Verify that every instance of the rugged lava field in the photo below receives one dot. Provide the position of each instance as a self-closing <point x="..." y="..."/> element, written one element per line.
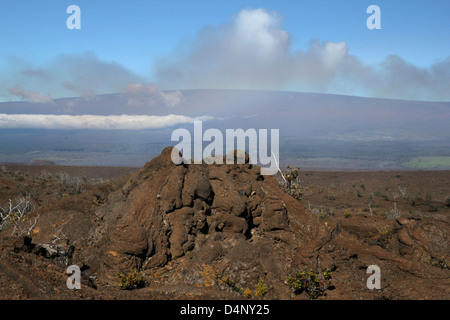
<point x="222" y="232"/>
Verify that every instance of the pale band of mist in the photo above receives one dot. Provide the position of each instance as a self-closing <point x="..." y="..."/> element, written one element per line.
<point x="94" y="122"/>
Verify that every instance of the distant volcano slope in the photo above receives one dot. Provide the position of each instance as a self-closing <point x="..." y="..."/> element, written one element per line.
<point x="316" y="130"/>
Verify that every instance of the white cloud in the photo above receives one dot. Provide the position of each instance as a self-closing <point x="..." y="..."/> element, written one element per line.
<point x="113" y="122"/>
<point x="253" y="51"/>
<point x="260" y="30"/>
<point x="334" y="53"/>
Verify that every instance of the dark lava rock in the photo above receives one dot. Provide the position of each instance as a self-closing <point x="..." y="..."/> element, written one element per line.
<point x="227" y="216"/>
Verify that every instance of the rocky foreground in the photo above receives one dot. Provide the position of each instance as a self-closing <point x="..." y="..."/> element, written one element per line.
<point x="216" y="232"/>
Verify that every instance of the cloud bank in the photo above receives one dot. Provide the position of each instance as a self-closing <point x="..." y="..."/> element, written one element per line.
<point x="253" y="51"/>
<point x="83" y="75"/>
<point x="93" y="122"/>
<point x="66" y="75"/>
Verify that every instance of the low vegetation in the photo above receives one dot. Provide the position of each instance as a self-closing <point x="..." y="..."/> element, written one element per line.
<point x="347" y="214"/>
<point x="440" y="263"/>
<point x="212" y="276"/>
<point x="320" y="211"/>
<point x="133" y="280"/>
<point x="384" y="239"/>
<point x="292" y="183"/>
<point x="15" y="213"/>
<point x="314" y="284"/>
<point x="393" y="213"/>
<point x="260" y="288"/>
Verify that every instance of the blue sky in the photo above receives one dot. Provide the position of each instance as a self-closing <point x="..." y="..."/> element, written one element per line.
<point x="144" y="41"/>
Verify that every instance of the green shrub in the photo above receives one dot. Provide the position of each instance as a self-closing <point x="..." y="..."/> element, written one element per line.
<point x="260" y="288"/>
<point x="310" y="282"/>
<point x="131" y="281"/>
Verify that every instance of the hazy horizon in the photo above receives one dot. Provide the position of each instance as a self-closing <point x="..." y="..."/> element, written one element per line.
<point x="316" y="130"/>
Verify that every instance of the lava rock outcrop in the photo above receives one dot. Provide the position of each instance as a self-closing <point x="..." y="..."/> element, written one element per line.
<point x="229" y="216"/>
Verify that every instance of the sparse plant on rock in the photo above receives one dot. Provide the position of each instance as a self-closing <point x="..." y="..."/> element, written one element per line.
<point x="248" y="293"/>
<point x="394" y="213"/>
<point x="440" y="263"/>
<point x="384" y="239"/>
<point x="130" y="281"/>
<point x="327" y="274"/>
<point x="310" y="282"/>
<point x="15" y="214"/>
<point x="321" y="212"/>
<point x="292" y="183"/>
<point x="260" y="288"/>
<point x="402" y="191"/>
<point x="229" y="282"/>
<point x="210" y="276"/>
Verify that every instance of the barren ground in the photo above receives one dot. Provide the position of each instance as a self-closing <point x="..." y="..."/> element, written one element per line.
<point x="368" y="205"/>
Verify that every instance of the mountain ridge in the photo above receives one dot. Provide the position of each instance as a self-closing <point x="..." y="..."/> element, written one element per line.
<point x="312" y="126"/>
